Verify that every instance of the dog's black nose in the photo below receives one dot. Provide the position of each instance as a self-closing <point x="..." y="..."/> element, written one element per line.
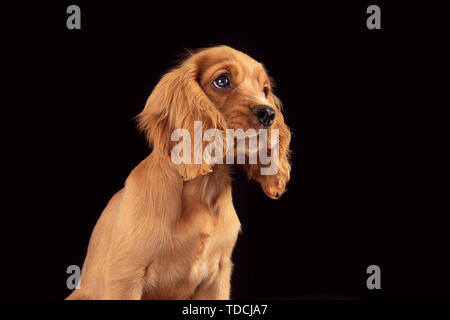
<point x="265" y="115"/>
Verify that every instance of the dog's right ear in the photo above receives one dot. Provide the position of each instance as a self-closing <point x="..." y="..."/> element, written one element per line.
<point x="155" y="120"/>
<point x="177" y="102"/>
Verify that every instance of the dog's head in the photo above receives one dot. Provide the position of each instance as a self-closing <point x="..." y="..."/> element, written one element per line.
<point x="221" y="88"/>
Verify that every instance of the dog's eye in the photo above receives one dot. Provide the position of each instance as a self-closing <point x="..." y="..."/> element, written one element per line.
<point x="266" y="90"/>
<point x="222" y="82"/>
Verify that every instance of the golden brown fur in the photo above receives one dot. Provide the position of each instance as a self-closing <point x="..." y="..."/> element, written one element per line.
<point x="169" y="233"/>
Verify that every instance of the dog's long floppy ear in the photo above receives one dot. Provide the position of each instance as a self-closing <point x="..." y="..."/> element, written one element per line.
<point x="177" y="102"/>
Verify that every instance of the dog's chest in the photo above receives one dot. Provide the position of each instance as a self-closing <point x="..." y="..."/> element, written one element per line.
<point x="194" y="262"/>
<point x="212" y="241"/>
<point x="203" y="237"/>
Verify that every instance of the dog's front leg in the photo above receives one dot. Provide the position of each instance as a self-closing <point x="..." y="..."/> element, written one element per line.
<point x="128" y="257"/>
<point x="126" y="285"/>
<point x="150" y="205"/>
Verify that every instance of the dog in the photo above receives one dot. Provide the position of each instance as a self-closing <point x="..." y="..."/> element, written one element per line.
<point x="170" y="232"/>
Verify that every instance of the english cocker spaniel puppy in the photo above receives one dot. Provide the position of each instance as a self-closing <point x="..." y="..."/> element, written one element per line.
<point x="169" y="233"/>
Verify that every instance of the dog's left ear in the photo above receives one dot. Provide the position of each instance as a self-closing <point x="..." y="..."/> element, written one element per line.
<point x="179" y="102"/>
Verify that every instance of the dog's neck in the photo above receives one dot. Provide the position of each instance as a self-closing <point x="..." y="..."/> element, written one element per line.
<point x="208" y="188"/>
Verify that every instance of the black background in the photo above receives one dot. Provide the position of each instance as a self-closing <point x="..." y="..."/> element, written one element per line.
<point x="369" y="111"/>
